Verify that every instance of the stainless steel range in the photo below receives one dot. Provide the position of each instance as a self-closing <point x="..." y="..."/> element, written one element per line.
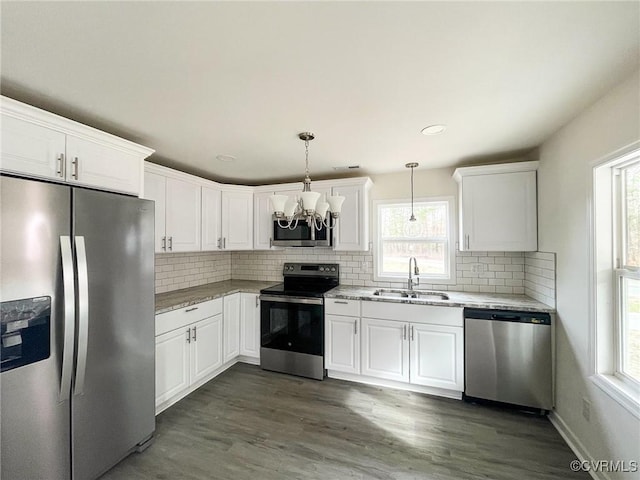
<point x="292" y="320"/>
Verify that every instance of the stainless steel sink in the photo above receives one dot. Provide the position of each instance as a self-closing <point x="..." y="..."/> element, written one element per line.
<point x="399" y="293"/>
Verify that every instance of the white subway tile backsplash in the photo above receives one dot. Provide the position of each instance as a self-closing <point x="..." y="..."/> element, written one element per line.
<point x="530" y="273"/>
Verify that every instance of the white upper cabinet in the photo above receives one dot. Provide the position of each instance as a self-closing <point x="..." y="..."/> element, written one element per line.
<point x="263" y="225"/>
<point x="498" y="207"/>
<point x="32" y="149"/>
<point x="178" y="204"/>
<point x="40" y="144"/>
<point x="352" y="229"/>
<point x="211" y="222"/>
<point x="237" y="219"/>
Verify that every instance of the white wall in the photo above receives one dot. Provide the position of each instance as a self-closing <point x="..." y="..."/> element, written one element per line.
<point x="563" y="187"/>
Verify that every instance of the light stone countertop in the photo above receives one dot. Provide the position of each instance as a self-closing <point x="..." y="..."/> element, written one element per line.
<point x="456" y="299"/>
<point x="168" y="301"/>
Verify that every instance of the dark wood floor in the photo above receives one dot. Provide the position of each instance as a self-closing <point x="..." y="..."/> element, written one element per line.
<point x="252" y="424"/>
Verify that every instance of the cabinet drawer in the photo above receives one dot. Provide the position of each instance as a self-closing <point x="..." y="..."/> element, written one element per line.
<point x="166" y="322"/>
<point x="428" y="314"/>
<point x="339" y="306"/>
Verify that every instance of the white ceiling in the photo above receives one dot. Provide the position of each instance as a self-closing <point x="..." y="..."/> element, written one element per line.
<point x="197" y="79"/>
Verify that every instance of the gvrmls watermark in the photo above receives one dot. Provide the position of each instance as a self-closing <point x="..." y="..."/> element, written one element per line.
<point x="608" y="466"/>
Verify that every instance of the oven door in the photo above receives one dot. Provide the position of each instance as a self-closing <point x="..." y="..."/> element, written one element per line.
<point x="301" y="236"/>
<point x="292" y="324"/>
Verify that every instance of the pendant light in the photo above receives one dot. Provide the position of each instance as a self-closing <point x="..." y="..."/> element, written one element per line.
<point x="412" y="165"/>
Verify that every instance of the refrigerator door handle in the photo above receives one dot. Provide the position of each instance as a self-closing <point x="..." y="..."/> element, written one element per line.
<point x="83" y="315"/>
<point x="68" y="283"/>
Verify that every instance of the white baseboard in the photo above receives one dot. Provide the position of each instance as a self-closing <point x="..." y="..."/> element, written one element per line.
<point x="575" y="444"/>
<point x="379" y="382"/>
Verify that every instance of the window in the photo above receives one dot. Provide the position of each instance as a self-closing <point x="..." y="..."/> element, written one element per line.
<point x="627" y="274"/>
<point x="615" y="277"/>
<point x="428" y="239"/>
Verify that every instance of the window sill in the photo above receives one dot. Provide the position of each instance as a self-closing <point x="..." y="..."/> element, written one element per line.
<point x="621" y="392"/>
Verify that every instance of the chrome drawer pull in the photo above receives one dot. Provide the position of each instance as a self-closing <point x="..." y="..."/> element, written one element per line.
<point x="191" y="309"/>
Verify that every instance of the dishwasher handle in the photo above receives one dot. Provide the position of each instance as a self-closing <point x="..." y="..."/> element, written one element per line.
<point x="537" y="318"/>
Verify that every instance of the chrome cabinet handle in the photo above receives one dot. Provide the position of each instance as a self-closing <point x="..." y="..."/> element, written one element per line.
<point x="220" y="242"/>
<point x="194" y="334"/>
<point x="257" y="301"/>
<point x="74" y="172"/>
<point x="83" y="314"/>
<point x="191" y="309"/>
<point x="60" y="169"/>
<point x="411" y="330"/>
<point x="355" y="327"/>
<point x="271" y="243"/>
<point x="467" y="241"/>
<point x="171" y="243"/>
<point x="224" y="242"/>
<point x="68" y="282"/>
<point x="341" y="302"/>
<point x="164" y="243"/>
<point x="189" y="335"/>
<point x="404" y="332"/>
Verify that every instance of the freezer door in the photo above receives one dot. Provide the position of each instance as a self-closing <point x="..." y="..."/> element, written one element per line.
<point x="113" y="393"/>
<point x="35" y="413"/>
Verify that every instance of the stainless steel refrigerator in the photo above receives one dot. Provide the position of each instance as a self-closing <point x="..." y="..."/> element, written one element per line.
<point x="77" y="317"/>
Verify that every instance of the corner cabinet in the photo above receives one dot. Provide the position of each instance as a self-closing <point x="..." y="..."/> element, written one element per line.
<point x="39" y="144"/>
<point x="498" y="207"/>
<point x="237" y="218"/>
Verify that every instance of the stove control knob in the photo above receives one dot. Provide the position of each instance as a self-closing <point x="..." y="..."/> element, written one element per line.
<point x="333" y="269"/>
<point x="322" y="269"/>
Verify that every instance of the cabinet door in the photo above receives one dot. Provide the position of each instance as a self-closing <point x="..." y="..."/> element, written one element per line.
<point x="97" y="165"/>
<point x="351" y="231"/>
<point x="237" y="220"/>
<point x="211" y="236"/>
<point x="263" y="225"/>
<point x="250" y="325"/>
<point x="499" y="212"/>
<point x="437" y="358"/>
<point x="183" y="216"/>
<point x="231" y="313"/>
<point x="172" y="364"/>
<point x="206" y="344"/>
<point x="31" y="149"/>
<point x="342" y="343"/>
<point x="155" y="189"/>
<point x="385" y="349"/>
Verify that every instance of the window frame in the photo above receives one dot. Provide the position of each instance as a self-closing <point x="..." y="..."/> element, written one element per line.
<point x="606" y="237"/>
<point x="452" y="243"/>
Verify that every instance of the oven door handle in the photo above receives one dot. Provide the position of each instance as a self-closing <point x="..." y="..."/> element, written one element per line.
<point x="307" y="301"/>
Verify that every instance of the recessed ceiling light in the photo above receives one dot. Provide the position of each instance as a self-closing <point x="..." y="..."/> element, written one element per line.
<point x="226" y="158"/>
<point x="433" y="129"/>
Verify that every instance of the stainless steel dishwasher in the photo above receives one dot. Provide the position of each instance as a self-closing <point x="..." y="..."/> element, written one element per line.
<point x="508" y="357"/>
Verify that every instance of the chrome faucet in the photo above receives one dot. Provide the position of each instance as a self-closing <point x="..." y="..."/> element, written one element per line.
<point x="415" y="272"/>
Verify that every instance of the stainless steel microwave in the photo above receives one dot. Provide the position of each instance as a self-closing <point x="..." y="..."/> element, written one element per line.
<point x="301" y="236"/>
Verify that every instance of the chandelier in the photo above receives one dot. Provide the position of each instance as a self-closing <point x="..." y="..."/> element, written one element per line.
<point x="308" y="206"/>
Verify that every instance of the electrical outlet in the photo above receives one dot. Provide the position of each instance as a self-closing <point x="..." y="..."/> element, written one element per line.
<point x="477" y="267"/>
<point x="364" y="266"/>
<point x="586" y="409"/>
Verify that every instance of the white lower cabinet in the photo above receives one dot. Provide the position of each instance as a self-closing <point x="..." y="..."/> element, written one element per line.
<point x="250" y="325"/>
<point x="206" y="354"/>
<point x="172" y="364"/>
<point x="187" y="355"/>
<point x="419" y="345"/>
<point x="231" y="326"/>
<point x="385" y="350"/>
<point x="342" y="343"/>
<point x="436" y="356"/>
